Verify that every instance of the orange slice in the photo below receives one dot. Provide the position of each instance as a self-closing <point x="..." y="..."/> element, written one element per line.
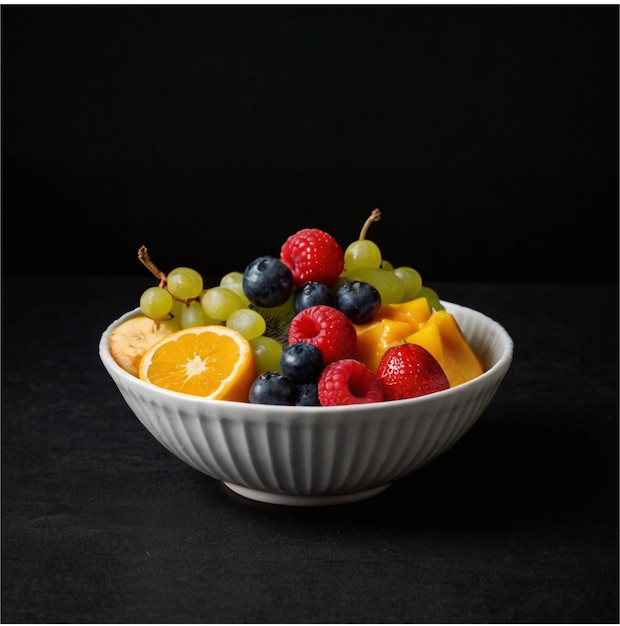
<point x="210" y="361"/>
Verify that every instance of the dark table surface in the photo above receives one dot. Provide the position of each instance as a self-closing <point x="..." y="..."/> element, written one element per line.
<point x="518" y="522"/>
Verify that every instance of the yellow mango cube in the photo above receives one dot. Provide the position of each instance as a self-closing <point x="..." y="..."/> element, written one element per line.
<point x="443" y="338"/>
<point x="429" y="337"/>
<point x="374" y="338"/>
<point x="414" y="312"/>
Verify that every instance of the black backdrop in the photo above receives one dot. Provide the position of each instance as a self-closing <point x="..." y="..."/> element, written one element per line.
<point x="487" y="135"/>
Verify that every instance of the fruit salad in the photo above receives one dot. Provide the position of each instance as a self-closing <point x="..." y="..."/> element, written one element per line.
<point x="315" y="325"/>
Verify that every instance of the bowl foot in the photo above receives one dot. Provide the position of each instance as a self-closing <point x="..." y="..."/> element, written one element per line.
<point x="292" y="500"/>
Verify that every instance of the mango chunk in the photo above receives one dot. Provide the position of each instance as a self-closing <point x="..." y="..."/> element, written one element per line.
<point x="374" y="338"/>
<point x="414" y="312"/>
<point x="415" y="322"/>
<point x="390" y="325"/>
<point x="429" y="337"/>
<point x="443" y="338"/>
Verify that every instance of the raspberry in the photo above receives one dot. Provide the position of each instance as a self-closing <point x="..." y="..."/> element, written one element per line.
<point x="348" y="381"/>
<point x="328" y="329"/>
<point x="313" y="255"/>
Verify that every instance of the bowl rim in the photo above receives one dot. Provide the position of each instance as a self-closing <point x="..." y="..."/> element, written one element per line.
<point x="499" y="368"/>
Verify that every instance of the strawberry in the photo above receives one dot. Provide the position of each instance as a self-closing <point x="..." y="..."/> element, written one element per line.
<point x="408" y="371"/>
<point x="313" y="255"/>
<point x="348" y="381"/>
<point x="328" y="329"/>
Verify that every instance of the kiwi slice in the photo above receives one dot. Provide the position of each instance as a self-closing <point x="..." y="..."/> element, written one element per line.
<point x="277" y="319"/>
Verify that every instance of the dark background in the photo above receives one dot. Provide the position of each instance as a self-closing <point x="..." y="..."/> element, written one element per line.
<point x="487" y="135"/>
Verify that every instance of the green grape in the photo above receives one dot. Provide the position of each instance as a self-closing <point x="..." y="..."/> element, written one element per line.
<point x="361" y="254"/>
<point x="412" y="281"/>
<point x="249" y="323"/>
<point x="156" y="302"/>
<point x="176" y="309"/>
<point x="432" y="298"/>
<point x="386" y="265"/>
<point x="389" y="286"/>
<point x="220" y="302"/>
<point x="193" y="314"/>
<point x="184" y="283"/>
<point x="267" y="354"/>
<point x="234" y="282"/>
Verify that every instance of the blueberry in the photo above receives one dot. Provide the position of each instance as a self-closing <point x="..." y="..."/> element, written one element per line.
<point x="267" y="282"/>
<point x="302" y="362"/>
<point x="307" y="395"/>
<point x="312" y="293"/>
<point x="359" y="301"/>
<point x="272" y="388"/>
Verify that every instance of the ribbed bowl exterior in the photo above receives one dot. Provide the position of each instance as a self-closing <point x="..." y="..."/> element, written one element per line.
<point x="317" y="451"/>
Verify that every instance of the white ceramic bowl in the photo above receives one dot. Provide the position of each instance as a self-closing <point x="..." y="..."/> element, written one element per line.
<point x="317" y="455"/>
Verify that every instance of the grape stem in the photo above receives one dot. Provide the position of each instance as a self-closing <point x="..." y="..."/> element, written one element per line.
<point x="145" y="259"/>
<point x="375" y="216"/>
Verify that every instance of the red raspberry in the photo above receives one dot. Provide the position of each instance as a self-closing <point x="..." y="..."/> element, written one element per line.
<point x="408" y="371"/>
<point x="328" y="329"/>
<point x="313" y="255"/>
<point x="348" y="381"/>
